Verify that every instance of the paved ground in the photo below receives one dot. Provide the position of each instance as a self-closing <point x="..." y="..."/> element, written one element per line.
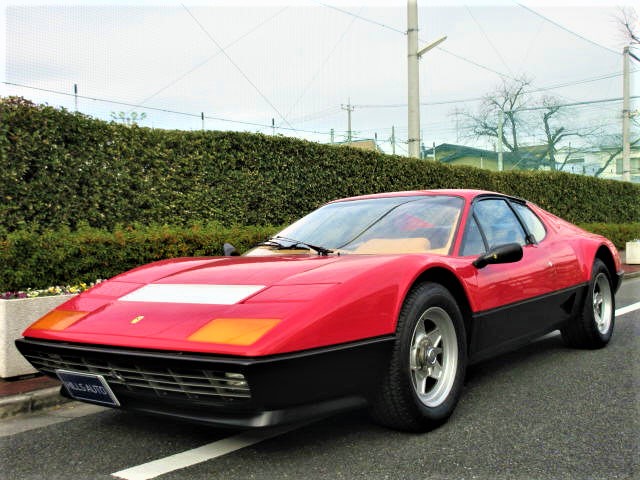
<point x="545" y="411"/>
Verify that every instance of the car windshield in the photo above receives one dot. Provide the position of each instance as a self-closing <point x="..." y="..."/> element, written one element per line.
<point x="411" y="224"/>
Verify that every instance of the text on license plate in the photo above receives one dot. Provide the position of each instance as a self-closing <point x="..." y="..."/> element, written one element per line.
<point x="88" y="387"/>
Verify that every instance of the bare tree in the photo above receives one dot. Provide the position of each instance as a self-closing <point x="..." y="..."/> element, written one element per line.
<point x="554" y="121"/>
<point x="629" y="27"/>
<point x="523" y="117"/>
<point x="613" y="155"/>
<point x="507" y="101"/>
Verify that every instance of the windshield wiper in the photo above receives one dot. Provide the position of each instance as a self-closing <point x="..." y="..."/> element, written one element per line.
<point x="297" y="244"/>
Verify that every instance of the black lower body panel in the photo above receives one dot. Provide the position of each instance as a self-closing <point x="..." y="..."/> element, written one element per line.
<point x="226" y="391"/>
<point x="506" y="328"/>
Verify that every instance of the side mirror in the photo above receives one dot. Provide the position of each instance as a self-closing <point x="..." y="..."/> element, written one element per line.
<point x="507" y="253"/>
<point x="229" y="250"/>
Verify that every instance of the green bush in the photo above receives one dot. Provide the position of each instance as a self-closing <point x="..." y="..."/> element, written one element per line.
<point x="66" y="169"/>
<point x="619" y="234"/>
<point x="34" y="259"/>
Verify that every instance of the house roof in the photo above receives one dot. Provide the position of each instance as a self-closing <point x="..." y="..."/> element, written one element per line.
<point x="364" y="144"/>
<point x="447" y="152"/>
<point x="457" y="151"/>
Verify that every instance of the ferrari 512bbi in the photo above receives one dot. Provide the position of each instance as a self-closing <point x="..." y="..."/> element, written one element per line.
<point x="379" y="301"/>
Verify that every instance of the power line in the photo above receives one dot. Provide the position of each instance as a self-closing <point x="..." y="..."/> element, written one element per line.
<point x="586" y="103"/>
<point x="477" y="99"/>
<point x="404" y="105"/>
<point x="359" y="17"/>
<point x="397" y="30"/>
<point x="212" y="56"/>
<point x="460" y="57"/>
<point x="224" y="52"/>
<point x="574" y="104"/>
<point x="322" y="64"/>
<point x="165" y="110"/>
<point x="488" y="39"/>
<point x="479" y="65"/>
<point x="562" y="27"/>
<point x="327" y="112"/>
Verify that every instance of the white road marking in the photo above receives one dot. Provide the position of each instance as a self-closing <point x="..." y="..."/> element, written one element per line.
<point x="201" y="454"/>
<point x="629" y="308"/>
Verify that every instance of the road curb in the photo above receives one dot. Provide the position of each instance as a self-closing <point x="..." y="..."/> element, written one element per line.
<point x="21" y="403"/>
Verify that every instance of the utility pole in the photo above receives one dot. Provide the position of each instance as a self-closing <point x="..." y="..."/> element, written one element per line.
<point x="626" y="114"/>
<point x="457" y="114"/>
<point x="331" y="133"/>
<point x="349" y="108"/>
<point x="202" y="118"/>
<point x="273" y="126"/>
<point x="500" y="123"/>
<point x="75" y="96"/>
<point x="413" y="90"/>
<point x="393" y="139"/>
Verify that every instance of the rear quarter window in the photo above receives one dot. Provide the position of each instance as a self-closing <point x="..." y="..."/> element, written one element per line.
<point x="531" y="220"/>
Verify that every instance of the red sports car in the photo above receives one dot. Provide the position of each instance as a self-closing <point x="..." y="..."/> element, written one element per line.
<point x="379" y="300"/>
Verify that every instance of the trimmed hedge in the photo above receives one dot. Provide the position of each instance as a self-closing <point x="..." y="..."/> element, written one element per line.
<point x="619" y="234"/>
<point x="35" y="259"/>
<point x="65" y="169"/>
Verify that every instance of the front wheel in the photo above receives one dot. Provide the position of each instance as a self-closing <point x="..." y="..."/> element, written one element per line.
<point x="593" y="326"/>
<point x="426" y="372"/>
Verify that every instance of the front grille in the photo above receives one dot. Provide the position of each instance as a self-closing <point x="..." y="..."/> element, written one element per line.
<point x="192" y="384"/>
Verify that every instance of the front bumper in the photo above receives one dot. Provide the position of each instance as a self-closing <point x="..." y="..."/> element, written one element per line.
<point x="225" y="391"/>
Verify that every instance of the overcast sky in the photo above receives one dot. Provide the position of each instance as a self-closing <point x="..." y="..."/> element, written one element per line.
<point x="299" y="61"/>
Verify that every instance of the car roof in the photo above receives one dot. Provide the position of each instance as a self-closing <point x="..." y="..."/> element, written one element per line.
<point x="467" y="194"/>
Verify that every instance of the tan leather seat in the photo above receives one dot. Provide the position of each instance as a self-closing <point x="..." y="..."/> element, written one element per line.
<point x="394" y="245"/>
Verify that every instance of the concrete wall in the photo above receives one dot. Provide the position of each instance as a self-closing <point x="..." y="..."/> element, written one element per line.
<point x="15" y="316"/>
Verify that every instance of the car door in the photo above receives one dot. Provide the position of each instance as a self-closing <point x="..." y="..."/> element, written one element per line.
<point x="510" y="298"/>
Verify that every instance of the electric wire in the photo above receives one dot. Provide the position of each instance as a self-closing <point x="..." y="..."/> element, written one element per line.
<point x="321" y="67"/>
<point x="484" y="34"/>
<point x="562" y="27"/>
<point x="360" y="17"/>
<point x="224" y="52"/>
<point x="164" y="110"/>
<point x="403" y="32"/>
<point x="212" y="56"/>
<point x="574" y="104"/>
<point x="476" y="99"/>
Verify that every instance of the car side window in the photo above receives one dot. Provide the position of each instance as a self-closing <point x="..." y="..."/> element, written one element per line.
<point x="472" y="243"/>
<point x="531" y="220"/>
<point x="498" y="222"/>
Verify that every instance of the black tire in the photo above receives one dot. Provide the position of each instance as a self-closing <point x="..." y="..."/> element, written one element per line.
<point x="408" y="398"/>
<point x="593" y="326"/>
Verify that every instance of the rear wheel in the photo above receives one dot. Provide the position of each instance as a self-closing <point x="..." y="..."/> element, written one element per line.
<point x="593" y="326"/>
<point x="426" y="372"/>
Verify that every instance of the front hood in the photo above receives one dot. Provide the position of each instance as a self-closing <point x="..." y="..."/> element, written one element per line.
<point x="225" y="270"/>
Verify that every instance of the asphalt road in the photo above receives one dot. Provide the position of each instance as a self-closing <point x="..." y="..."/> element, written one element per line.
<point x="544" y="411"/>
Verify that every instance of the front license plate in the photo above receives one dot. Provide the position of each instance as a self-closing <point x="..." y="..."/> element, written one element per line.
<point x="88" y="387"/>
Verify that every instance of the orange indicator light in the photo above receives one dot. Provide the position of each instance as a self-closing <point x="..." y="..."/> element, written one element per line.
<point x="234" y="331"/>
<point x="58" y="320"/>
